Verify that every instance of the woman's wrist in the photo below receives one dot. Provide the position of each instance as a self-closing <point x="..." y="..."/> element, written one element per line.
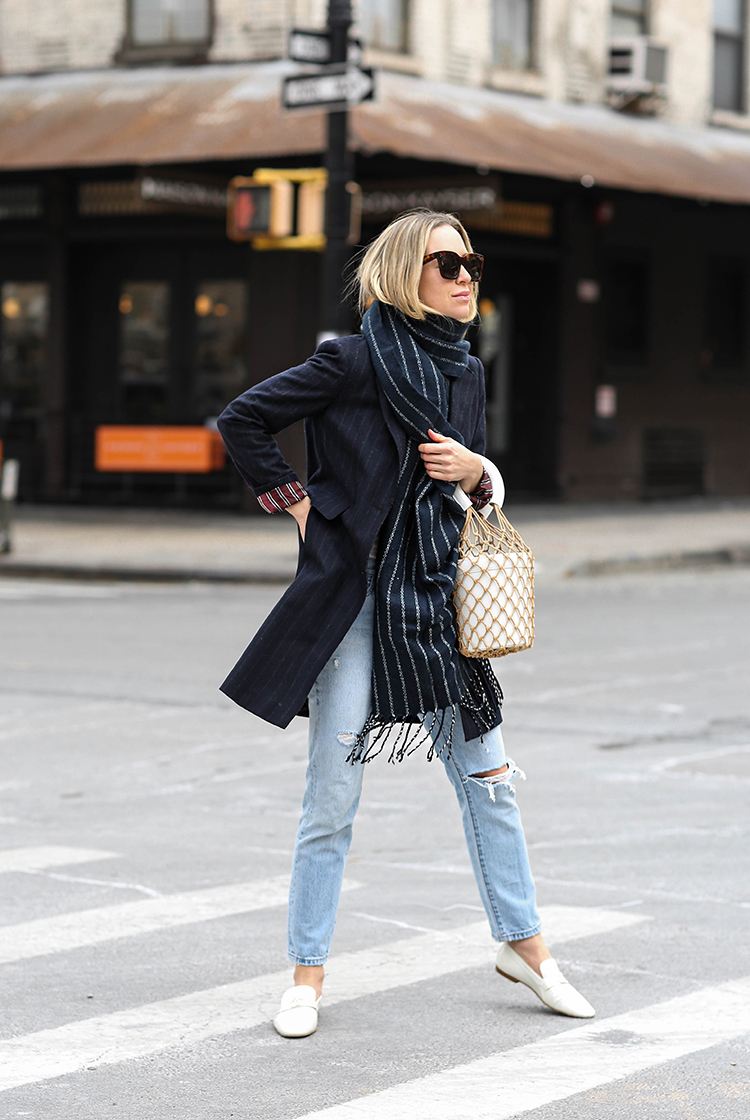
<point x="472" y="480"/>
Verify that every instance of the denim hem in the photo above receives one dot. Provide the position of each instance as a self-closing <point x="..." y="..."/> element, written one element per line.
<point x="520" y="936"/>
<point x="307" y="962"/>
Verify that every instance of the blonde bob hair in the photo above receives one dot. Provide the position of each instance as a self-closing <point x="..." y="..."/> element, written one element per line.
<point x="391" y="267"/>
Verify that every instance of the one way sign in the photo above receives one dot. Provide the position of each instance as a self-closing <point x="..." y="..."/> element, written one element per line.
<point x="333" y="88"/>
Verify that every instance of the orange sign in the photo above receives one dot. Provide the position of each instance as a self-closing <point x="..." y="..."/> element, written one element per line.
<point x="178" y="450"/>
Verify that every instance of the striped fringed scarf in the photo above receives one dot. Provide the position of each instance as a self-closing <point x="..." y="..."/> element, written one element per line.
<point x="417" y="669"/>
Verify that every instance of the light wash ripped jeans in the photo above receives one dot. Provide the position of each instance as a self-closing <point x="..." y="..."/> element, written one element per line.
<point x="339" y="705"/>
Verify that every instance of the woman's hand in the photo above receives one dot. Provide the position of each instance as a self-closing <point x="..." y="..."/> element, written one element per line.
<point x="299" y="512"/>
<point x="450" y="461"/>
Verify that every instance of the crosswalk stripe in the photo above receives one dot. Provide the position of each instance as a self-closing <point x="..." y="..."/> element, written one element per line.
<point x="37" y="859"/>
<point x="139" y="1031"/>
<point x="92" y="927"/>
<point x="528" y="1077"/>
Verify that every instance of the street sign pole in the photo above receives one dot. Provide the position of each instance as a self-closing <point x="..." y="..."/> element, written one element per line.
<point x="334" y="315"/>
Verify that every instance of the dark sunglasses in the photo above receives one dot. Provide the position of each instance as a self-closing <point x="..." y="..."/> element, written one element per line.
<point x="450" y="264"/>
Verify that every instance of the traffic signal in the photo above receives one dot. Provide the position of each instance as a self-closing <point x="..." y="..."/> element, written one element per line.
<point x="259" y="209"/>
<point x="284" y="208"/>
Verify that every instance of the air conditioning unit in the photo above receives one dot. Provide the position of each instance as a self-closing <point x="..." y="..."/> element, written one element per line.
<point x="637" y="65"/>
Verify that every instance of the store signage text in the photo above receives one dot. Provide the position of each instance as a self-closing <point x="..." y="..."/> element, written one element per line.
<point x="182" y="192"/>
<point x="376" y="203"/>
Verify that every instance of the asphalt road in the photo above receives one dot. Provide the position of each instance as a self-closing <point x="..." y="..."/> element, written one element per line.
<point x="147" y="826"/>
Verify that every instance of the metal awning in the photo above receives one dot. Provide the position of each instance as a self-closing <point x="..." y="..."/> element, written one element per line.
<point x="165" y="115"/>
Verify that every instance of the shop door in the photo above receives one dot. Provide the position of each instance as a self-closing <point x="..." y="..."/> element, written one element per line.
<point x="24" y="316"/>
<point x="161" y="334"/>
<point x="517" y="343"/>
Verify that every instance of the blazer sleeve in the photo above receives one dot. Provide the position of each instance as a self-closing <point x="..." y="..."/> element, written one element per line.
<point x="250" y="422"/>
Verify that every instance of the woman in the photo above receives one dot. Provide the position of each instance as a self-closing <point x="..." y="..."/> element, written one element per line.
<point x="364" y="639"/>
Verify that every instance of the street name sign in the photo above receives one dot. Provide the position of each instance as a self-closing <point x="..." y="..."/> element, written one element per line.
<point x="335" y="88"/>
<point x="315" y="47"/>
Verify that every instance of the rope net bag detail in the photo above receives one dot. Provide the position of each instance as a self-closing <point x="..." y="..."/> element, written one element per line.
<point x="494" y="592"/>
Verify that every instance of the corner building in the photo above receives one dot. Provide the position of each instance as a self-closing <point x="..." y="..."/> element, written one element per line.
<point x="598" y="153"/>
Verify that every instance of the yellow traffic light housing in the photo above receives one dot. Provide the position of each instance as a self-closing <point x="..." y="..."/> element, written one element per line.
<point x="262" y="208"/>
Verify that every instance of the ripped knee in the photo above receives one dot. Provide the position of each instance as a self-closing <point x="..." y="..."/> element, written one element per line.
<point x="348" y="738"/>
<point x="504" y="776"/>
<point x="491" y="773"/>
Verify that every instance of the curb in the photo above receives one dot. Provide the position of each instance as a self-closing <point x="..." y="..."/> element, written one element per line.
<point x="671" y="561"/>
<point x="141" y="575"/>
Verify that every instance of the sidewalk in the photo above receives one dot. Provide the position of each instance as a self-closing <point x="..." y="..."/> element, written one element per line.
<point x="168" y="545"/>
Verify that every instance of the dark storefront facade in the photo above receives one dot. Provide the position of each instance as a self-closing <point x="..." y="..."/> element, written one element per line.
<point x="158" y="319"/>
<point x="614" y="324"/>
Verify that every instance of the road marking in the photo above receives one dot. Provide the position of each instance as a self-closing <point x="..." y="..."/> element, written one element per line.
<point x="183" y="1020"/>
<point x="520" y="1080"/>
<point x="36" y="859"/>
<point x="106" y="923"/>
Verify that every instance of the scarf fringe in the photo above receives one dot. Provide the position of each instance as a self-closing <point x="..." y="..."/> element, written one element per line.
<point x="409" y="739"/>
<point x="482" y="699"/>
<point x="483" y="696"/>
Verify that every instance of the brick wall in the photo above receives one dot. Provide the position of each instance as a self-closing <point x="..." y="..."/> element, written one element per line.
<point x="254" y="30"/>
<point x="686" y="26"/>
<point x="38" y="35"/>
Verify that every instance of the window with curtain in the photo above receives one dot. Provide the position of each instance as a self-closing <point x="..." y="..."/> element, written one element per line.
<point x="628" y="18"/>
<point x="729" y="54"/>
<point x="385" y="24"/>
<point x="169" y="22"/>
<point x="511" y="34"/>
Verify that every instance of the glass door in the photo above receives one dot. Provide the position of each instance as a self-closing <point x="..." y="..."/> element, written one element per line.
<point x="162" y="339"/>
<point x="220" y="371"/>
<point x="24" y="308"/>
<point x="143" y="364"/>
<point x="517" y="343"/>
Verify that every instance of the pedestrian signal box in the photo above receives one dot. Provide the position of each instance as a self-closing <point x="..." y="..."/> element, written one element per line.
<point x="279" y="208"/>
<point x="256" y="209"/>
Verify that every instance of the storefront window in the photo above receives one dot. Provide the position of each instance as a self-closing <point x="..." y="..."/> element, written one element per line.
<point x="385" y="24"/>
<point x="511" y="34"/>
<point x="628" y="18"/>
<point x="23" y="349"/>
<point x="729" y="52"/>
<point x="221" y="371"/>
<point x="144" y="351"/>
<point x="168" y="22"/>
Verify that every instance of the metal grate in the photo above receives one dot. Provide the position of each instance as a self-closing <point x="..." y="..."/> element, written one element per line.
<point x="673" y="461"/>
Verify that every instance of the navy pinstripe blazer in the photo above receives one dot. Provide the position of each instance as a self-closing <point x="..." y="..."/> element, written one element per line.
<point x="354" y="446"/>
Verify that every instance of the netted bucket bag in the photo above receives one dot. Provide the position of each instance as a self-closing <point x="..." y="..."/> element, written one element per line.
<point x="494" y="592"/>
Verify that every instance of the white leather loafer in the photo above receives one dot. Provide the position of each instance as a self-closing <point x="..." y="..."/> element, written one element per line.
<point x="551" y="987"/>
<point x="298" y="1015"/>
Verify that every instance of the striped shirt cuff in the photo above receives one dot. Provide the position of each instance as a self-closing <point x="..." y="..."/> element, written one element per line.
<point x="281" y="497"/>
<point x="483" y="492"/>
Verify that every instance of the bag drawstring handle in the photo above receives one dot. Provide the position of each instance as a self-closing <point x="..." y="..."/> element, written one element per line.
<point x="498" y="490"/>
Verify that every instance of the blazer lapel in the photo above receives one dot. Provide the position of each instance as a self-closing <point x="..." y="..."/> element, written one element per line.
<point x="398" y="433"/>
